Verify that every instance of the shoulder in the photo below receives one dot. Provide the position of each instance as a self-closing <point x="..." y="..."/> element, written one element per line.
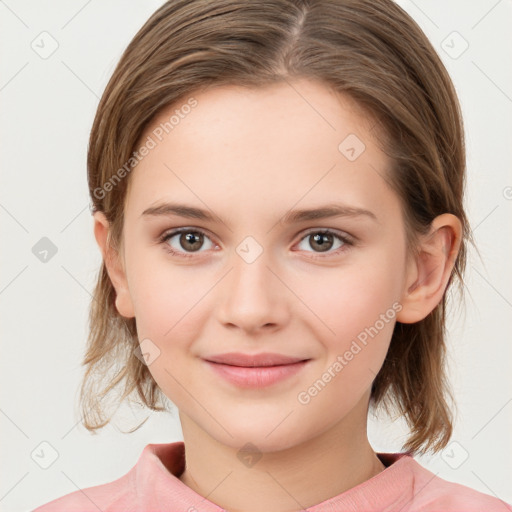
<point x="152" y="478"/>
<point x="432" y="493"/>
<point x="105" y="497"/>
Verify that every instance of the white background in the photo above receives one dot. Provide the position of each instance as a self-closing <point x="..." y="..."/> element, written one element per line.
<point x="48" y="107"/>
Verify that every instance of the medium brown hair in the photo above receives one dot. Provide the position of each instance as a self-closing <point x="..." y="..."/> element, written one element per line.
<point x="371" y="51"/>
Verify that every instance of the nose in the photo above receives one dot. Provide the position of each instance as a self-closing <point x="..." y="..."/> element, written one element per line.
<point x="253" y="296"/>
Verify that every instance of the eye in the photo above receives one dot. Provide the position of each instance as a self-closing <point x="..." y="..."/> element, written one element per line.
<point x="324" y="240"/>
<point x="190" y="240"/>
<point x="187" y="240"/>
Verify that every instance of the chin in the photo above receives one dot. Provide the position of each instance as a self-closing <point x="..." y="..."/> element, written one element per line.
<point x="267" y="437"/>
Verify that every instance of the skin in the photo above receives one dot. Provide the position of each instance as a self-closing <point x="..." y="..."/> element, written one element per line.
<point x="250" y="156"/>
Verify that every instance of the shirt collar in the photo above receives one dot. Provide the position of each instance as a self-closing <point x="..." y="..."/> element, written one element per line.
<point x="157" y="484"/>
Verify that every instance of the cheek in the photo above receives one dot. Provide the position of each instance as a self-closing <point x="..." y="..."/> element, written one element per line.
<point x="170" y="313"/>
<point x="351" y="298"/>
<point x="357" y="324"/>
<point x="165" y="295"/>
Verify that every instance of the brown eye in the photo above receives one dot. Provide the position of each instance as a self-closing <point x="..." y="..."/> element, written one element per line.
<point x="191" y="240"/>
<point x="187" y="241"/>
<point x="323" y="241"/>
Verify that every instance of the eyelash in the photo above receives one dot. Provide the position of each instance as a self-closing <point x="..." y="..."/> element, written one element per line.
<point x="347" y="241"/>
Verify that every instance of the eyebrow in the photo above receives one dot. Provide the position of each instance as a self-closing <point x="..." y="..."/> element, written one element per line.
<point x="293" y="216"/>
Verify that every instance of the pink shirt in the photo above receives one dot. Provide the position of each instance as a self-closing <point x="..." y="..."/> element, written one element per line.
<point x="153" y="485"/>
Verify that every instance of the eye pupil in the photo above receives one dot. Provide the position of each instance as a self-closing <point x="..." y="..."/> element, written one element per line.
<point x="320" y="240"/>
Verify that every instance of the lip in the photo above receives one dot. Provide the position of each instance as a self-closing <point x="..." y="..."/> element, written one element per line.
<point x="252" y="360"/>
<point x="259" y="372"/>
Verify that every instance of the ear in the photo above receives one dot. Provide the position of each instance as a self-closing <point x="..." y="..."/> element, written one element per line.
<point x="428" y="275"/>
<point x="114" y="264"/>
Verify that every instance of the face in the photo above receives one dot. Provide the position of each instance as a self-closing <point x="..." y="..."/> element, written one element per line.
<point x="256" y="278"/>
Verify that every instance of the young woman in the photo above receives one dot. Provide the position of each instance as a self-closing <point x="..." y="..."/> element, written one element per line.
<point x="277" y="190"/>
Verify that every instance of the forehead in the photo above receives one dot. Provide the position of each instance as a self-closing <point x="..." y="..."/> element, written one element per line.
<point x="261" y="148"/>
<point x="297" y="108"/>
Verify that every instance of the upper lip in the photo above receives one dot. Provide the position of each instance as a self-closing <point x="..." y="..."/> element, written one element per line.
<point x="264" y="359"/>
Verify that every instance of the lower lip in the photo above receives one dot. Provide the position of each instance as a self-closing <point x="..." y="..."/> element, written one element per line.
<point x="256" y="377"/>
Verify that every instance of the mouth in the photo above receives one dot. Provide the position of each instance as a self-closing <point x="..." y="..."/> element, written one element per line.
<point x="265" y="359"/>
<point x="254" y="376"/>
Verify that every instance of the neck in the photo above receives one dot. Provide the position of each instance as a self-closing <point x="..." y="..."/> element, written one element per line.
<point x="331" y="463"/>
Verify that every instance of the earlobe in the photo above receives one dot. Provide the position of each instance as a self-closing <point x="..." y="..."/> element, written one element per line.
<point x="114" y="266"/>
<point x="428" y="275"/>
